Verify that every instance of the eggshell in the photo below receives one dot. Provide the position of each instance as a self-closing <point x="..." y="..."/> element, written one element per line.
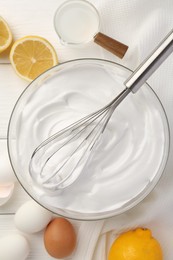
<point x="6" y="172"/>
<point x="31" y="217"/>
<point x="13" y="247"/>
<point x="6" y="191"/>
<point x="60" y="238"/>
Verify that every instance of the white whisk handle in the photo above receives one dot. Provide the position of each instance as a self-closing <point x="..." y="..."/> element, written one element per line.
<point x="150" y="64"/>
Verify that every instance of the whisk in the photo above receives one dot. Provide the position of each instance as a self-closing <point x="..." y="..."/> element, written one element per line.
<point x="58" y="161"/>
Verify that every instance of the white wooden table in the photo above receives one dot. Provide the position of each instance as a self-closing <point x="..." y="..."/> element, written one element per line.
<point x="35" y="17"/>
<point x="24" y="18"/>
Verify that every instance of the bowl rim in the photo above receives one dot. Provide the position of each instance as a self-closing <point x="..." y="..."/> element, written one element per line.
<point x="107" y="214"/>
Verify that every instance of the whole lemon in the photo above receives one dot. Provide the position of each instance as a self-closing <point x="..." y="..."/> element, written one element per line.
<point x="136" y="244"/>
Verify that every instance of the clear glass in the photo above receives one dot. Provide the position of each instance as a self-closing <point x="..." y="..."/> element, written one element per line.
<point x="76" y="22"/>
<point x="118" y="177"/>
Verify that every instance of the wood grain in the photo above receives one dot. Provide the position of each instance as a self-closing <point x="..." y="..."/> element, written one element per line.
<point x="117" y="48"/>
<point x="37" y="250"/>
<point x="11" y="87"/>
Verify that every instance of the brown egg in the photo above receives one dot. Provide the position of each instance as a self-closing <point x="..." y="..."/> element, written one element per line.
<point x="59" y="238"/>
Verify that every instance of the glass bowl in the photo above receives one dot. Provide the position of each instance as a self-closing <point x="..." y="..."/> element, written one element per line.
<point x="130" y="158"/>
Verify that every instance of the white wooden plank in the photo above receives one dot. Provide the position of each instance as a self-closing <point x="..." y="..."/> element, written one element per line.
<point x="19" y="196"/>
<point x="36" y="18"/>
<point x="37" y="250"/>
<point x="29" y="18"/>
<point x="11" y="87"/>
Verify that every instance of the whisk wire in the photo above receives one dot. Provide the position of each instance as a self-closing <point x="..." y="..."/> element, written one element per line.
<point x="78" y="147"/>
<point x="64" y="130"/>
<point x="89" y="147"/>
<point x="94" y="117"/>
<point x="106" y="112"/>
<point x="70" y="134"/>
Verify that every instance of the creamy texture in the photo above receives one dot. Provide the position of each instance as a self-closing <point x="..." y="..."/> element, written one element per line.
<point x="129" y="154"/>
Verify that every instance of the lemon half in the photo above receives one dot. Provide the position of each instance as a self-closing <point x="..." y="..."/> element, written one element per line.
<point x="32" y="55"/>
<point x="5" y="35"/>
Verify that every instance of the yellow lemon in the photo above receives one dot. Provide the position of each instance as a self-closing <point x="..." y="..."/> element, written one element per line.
<point x="136" y="244"/>
<point x="32" y="55"/>
<point x="5" y="35"/>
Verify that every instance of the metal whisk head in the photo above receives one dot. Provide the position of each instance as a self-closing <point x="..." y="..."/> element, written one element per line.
<point x="58" y="161"/>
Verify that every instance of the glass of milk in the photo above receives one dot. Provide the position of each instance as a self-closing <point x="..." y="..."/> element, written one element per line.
<point x="77" y="22"/>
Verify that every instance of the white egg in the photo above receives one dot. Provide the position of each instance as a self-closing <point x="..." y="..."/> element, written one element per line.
<point x="31" y="217"/>
<point x="14" y="247"/>
<point x="6" y="191"/>
<point x="6" y="172"/>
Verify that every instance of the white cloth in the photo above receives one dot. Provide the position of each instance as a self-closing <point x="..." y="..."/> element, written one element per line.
<point x="141" y="25"/>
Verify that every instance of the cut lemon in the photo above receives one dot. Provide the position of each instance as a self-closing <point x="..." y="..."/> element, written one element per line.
<point x="32" y="55"/>
<point x="5" y="35"/>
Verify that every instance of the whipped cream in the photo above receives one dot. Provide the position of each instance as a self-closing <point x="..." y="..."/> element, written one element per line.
<point x="129" y="157"/>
